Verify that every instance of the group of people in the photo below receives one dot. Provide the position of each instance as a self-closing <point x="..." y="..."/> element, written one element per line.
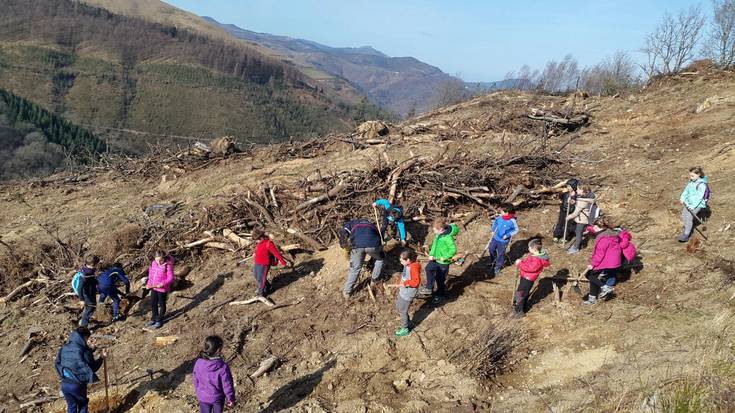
<point x="579" y="214"/>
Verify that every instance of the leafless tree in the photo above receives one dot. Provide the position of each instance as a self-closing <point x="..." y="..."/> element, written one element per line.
<point x="452" y="92"/>
<point x="672" y="45"/>
<point x="560" y="76"/>
<point x="615" y="74"/>
<point x="524" y="79"/>
<point x="719" y="44"/>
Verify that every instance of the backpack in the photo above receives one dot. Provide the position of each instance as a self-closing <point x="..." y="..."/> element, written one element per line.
<point x="595" y="212"/>
<point x="707" y="193"/>
<point x="76" y="284"/>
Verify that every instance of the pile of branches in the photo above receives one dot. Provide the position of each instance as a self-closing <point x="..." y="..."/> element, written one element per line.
<point x="490" y="354"/>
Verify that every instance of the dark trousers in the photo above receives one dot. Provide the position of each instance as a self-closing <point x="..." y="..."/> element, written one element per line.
<point x="75" y="395"/>
<point x="598" y="278"/>
<point x="158" y="306"/>
<point x="559" y="228"/>
<point x="114" y="295"/>
<point x="260" y="272"/>
<point x="211" y="407"/>
<point x="578" y="234"/>
<point x="496" y="249"/>
<point x="522" y="293"/>
<point x="90" y="305"/>
<point x="437" y="272"/>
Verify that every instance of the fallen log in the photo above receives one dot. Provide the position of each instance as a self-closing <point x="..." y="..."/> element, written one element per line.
<point x="393" y="178"/>
<point x="307" y="239"/>
<point x="236" y="239"/>
<point x="21" y="287"/>
<point x="313" y="201"/>
<point x="263" y="300"/>
<point x="219" y="245"/>
<point x="199" y="242"/>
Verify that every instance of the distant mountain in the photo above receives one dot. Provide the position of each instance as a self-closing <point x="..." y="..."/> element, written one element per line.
<point x="402" y="84"/>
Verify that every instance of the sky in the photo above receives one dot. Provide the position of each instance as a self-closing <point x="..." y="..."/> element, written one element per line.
<point x="473" y="39"/>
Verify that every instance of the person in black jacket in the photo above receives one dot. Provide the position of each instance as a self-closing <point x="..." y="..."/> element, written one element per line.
<point x="89" y="288"/>
<point x="76" y="367"/>
<point x="567" y="202"/>
<point x="361" y="237"/>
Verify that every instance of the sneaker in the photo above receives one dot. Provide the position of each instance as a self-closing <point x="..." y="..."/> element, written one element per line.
<point x="156" y="325"/>
<point x="606" y="290"/>
<point x="572" y="250"/>
<point x="436" y="300"/>
<point x="556" y="240"/>
<point x="518" y="314"/>
<point x="423" y="291"/>
<point x="116" y="318"/>
<point x="591" y="300"/>
<point x="345" y="295"/>
<point x="402" y="332"/>
<point x="683" y="239"/>
<point x="150" y="323"/>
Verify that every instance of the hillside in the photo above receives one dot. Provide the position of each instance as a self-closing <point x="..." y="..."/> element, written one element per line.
<point x="664" y="342"/>
<point x="401" y="84"/>
<point x="114" y="72"/>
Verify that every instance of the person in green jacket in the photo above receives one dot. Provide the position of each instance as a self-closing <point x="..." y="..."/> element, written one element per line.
<point x="693" y="200"/>
<point x="442" y="251"/>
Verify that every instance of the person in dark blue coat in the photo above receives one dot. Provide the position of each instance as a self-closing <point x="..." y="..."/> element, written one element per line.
<point x="107" y="283"/>
<point x="89" y="288"/>
<point x="361" y="237"/>
<point x="77" y="367"/>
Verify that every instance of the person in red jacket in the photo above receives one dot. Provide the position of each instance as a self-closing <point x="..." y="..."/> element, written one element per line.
<point x="607" y="257"/>
<point x="530" y="268"/>
<point x="266" y="255"/>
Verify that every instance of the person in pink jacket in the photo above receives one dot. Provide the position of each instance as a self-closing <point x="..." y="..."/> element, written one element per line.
<point x="607" y="257"/>
<point x="160" y="279"/>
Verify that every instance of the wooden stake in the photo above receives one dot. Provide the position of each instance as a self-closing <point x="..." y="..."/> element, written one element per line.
<point x="107" y="393"/>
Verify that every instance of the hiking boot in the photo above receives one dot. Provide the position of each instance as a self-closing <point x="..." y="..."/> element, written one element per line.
<point x="402" y="332"/>
<point x="606" y="291"/>
<point x="573" y="250"/>
<point x="591" y="300"/>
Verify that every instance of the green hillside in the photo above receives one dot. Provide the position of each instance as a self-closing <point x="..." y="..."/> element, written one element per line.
<point x="105" y="70"/>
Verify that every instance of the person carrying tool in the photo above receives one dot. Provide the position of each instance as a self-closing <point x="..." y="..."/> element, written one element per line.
<point x="563" y="227"/>
<point x="694" y="198"/>
<point x="361" y="237"/>
<point x="441" y="254"/>
<point x="76" y="366"/>
<point x="266" y="255"/>
<point x="88" y="288"/>
<point x="391" y="215"/>
<point x="530" y="268"/>
<point x="160" y="280"/>
<point x="606" y="259"/>
<point x="107" y="284"/>
<point x="585" y="212"/>
<point x="504" y="227"/>
<point x="212" y="378"/>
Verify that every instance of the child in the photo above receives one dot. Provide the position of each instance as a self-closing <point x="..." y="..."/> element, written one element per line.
<point x="107" y="284"/>
<point x="606" y="259"/>
<point x="440" y="256"/>
<point x="89" y="288"/>
<point x="584" y="207"/>
<point x="530" y="268"/>
<point x="567" y="199"/>
<point x="392" y="215"/>
<point x="410" y="282"/>
<point x="212" y="378"/>
<point x="160" y="279"/>
<point x="504" y="227"/>
<point x="76" y="366"/>
<point x="693" y="200"/>
<point x="266" y="254"/>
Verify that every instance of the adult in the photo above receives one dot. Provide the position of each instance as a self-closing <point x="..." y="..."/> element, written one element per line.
<point x="361" y="237"/>
<point x="693" y="200"/>
<point x="391" y="215"/>
<point x="567" y="199"/>
<point x="607" y="258"/>
<point x="584" y="208"/>
<point x="76" y="367"/>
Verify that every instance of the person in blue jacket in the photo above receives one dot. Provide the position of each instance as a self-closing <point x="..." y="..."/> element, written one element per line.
<point x="392" y="215"/>
<point x="77" y="367"/>
<point x="107" y="285"/>
<point x="504" y="227"/>
<point x="694" y="199"/>
<point x="360" y="237"/>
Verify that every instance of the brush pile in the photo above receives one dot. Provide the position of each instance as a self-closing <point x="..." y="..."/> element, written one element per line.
<point x="491" y="353"/>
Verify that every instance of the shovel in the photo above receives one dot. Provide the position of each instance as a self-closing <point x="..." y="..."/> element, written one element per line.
<point x="575" y="284"/>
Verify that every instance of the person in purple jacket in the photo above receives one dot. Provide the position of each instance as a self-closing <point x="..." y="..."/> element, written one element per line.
<point x="212" y="378"/>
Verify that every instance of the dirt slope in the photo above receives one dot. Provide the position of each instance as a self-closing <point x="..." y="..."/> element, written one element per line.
<point x="664" y="337"/>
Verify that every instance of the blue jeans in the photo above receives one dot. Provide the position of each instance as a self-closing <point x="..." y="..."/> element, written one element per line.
<point x="357" y="257"/>
<point x="496" y="249"/>
<point x="114" y="296"/>
<point x="437" y="272"/>
<point x="89" y="306"/>
<point x="75" y="395"/>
